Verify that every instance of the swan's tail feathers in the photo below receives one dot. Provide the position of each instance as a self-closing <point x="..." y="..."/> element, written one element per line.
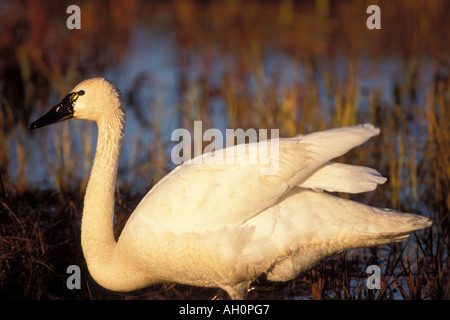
<point x="391" y="226"/>
<point x="394" y="226"/>
<point x="329" y="144"/>
<point x="337" y="177"/>
<point x="306" y="226"/>
<point x="318" y="217"/>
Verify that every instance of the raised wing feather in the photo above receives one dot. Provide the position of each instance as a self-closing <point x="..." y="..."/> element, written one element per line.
<point x="338" y="177"/>
<point x="209" y="194"/>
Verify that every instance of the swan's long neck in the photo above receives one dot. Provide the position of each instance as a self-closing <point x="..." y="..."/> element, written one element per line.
<point x="97" y="237"/>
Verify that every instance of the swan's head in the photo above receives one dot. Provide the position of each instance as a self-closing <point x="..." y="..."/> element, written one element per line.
<point x="93" y="99"/>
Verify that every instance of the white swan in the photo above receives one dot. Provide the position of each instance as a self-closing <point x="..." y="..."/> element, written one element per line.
<point x="223" y="225"/>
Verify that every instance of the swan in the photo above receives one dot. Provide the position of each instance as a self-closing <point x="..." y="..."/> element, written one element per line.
<point x="223" y="225"/>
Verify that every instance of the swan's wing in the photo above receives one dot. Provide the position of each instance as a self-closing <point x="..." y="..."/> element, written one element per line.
<point x="206" y="195"/>
<point x="338" y="177"/>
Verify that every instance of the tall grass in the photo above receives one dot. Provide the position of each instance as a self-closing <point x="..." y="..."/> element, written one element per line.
<point x="43" y="174"/>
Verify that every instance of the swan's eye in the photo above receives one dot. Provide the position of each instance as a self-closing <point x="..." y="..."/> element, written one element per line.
<point x="75" y="95"/>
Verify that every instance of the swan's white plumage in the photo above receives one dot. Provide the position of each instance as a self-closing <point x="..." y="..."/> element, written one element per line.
<point x="222" y="225"/>
<point x="338" y="177"/>
<point x="220" y="193"/>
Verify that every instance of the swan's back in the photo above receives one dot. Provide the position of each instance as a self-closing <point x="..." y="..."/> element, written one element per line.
<point x="223" y="225"/>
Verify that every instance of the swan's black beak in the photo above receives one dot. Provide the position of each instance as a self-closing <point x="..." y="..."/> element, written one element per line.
<point x="58" y="113"/>
<point x="62" y="111"/>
